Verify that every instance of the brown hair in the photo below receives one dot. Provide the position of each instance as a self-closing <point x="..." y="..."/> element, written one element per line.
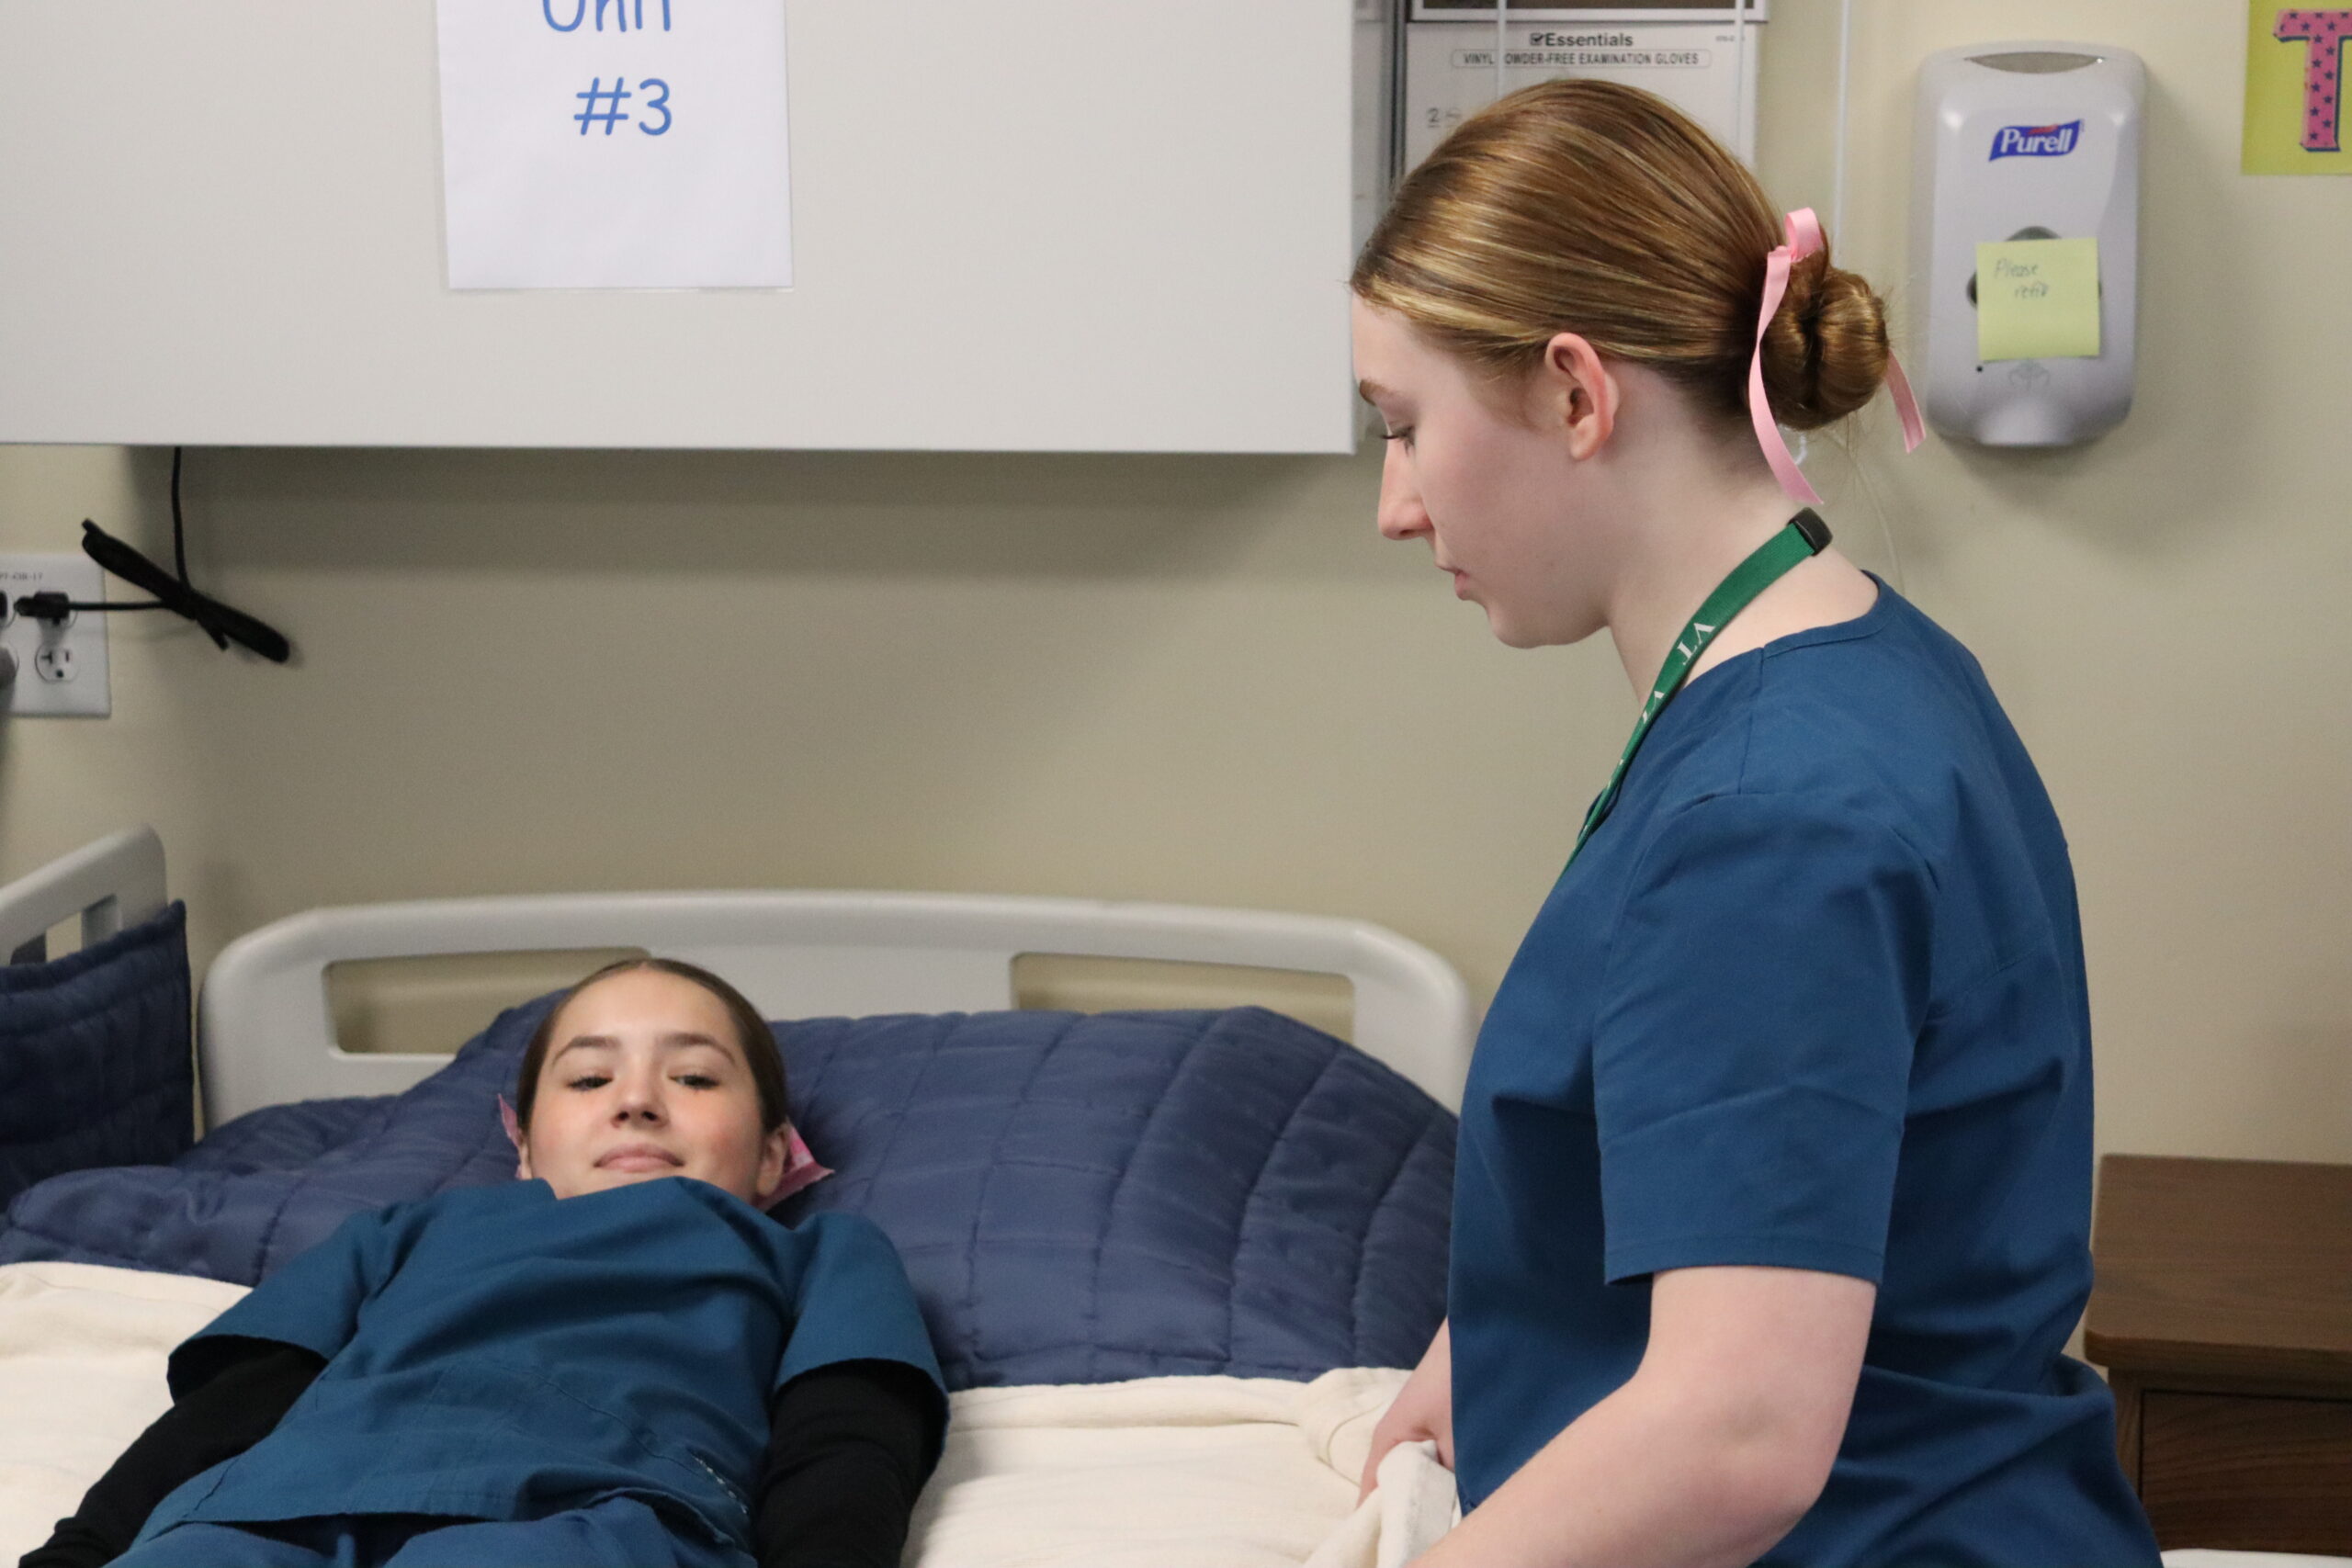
<point x="751" y="1032"/>
<point x="1597" y="209"/>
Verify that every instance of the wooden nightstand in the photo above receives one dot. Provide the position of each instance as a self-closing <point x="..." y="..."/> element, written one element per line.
<point x="2223" y="1317"/>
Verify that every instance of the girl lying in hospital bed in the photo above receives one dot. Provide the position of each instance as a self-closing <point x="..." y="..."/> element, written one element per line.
<point x="591" y="1365"/>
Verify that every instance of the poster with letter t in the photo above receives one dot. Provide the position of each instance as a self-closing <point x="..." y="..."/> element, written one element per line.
<point x="2294" y="97"/>
<point x="615" y="143"/>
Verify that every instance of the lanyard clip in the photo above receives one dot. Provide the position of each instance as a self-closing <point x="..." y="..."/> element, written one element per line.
<point x="1809" y="524"/>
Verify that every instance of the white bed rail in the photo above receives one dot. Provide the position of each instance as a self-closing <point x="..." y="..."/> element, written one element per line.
<point x="117" y="882"/>
<point x="266" y="1034"/>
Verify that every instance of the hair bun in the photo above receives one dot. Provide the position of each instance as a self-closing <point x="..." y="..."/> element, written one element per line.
<point x="1826" y="351"/>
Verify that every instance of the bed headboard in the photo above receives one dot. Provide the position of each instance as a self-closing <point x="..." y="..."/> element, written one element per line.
<point x="266" y="1034"/>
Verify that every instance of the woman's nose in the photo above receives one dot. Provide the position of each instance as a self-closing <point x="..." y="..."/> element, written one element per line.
<point x="639" y="1099"/>
<point x="1401" y="514"/>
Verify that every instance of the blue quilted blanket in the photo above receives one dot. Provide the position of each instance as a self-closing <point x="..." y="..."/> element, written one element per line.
<point x="1078" y="1198"/>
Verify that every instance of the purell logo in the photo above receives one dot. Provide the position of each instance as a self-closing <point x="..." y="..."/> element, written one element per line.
<point x="2035" y="141"/>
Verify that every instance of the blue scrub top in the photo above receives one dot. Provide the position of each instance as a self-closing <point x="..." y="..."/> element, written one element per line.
<point x="1810" y="998"/>
<point x="495" y="1353"/>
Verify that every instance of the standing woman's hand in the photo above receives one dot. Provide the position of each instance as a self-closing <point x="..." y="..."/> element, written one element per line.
<point x="1421" y="1412"/>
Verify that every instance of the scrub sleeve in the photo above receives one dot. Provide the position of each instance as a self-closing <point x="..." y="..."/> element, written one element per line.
<point x="311" y="1301"/>
<point x="1752" y="1058"/>
<point x="853" y="1303"/>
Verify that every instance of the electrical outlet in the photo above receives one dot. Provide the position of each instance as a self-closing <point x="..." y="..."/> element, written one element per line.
<point x="61" y="669"/>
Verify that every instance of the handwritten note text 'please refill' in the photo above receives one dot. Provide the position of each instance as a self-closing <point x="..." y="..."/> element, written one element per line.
<point x="2037" y="299"/>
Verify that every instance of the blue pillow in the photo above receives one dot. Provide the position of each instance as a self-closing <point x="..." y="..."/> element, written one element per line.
<point x="1088" y="1198"/>
<point x="1078" y="1198"/>
<point x="95" y="1057"/>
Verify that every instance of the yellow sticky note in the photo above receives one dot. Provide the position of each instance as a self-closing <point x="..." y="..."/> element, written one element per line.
<point x="2037" y="299"/>
<point x="2295" y="117"/>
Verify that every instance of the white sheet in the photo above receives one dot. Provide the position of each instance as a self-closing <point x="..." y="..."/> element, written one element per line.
<point x="81" y="1354"/>
<point x="1161" y="1472"/>
<point x="1178" y="1473"/>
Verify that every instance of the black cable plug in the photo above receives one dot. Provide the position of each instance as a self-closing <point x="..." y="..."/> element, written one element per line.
<point x="50" y="605"/>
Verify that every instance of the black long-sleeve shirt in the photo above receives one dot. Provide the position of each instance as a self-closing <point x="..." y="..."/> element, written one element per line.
<point x="849" y="1448"/>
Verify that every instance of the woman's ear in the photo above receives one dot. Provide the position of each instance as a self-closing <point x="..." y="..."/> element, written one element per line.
<point x="775" y="1159"/>
<point x="1576" y="394"/>
<point x="507" y="1120"/>
<point x="800" y="1169"/>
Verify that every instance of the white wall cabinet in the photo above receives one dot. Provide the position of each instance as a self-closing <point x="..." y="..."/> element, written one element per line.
<point x="1019" y="225"/>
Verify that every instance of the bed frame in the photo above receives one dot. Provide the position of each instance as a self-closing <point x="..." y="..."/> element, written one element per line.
<point x="117" y="882"/>
<point x="266" y="1034"/>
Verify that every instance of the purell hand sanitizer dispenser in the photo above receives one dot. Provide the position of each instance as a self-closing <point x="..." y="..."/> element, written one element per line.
<point x="2025" y="239"/>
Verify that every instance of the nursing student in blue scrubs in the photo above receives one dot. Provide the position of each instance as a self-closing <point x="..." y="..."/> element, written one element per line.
<point x="1772" y="1202"/>
<point x="618" y="1360"/>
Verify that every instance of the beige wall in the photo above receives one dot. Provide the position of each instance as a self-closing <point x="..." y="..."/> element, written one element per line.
<point x="1207" y="680"/>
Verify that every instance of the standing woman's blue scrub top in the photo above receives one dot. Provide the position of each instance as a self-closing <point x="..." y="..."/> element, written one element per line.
<point x="497" y="1353"/>
<point x="1812" y="997"/>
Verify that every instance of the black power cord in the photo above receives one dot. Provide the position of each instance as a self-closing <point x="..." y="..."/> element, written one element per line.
<point x="222" y="624"/>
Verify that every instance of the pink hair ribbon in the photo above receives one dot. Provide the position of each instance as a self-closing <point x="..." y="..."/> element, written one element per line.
<point x="1804" y="231"/>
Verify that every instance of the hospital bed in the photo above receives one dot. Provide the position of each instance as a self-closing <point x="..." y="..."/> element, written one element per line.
<point x="1171" y="1258"/>
<point x="1101" y="1454"/>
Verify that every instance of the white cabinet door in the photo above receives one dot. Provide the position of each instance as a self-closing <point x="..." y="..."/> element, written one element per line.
<point x="1039" y="225"/>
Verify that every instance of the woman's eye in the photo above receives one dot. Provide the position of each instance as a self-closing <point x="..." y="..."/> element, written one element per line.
<point x="697" y="1080"/>
<point x="589" y="1080"/>
<point x="1405" y="435"/>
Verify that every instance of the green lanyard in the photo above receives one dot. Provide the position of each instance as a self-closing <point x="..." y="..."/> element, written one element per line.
<point x="1805" y="536"/>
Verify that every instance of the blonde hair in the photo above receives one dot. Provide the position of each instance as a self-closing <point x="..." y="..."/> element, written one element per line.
<point x="1597" y="208"/>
